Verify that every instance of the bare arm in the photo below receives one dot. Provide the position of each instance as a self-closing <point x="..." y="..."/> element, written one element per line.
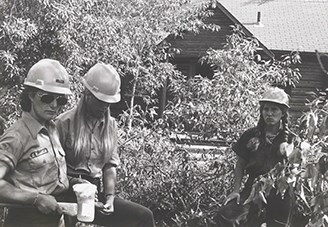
<point x="109" y="176"/>
<point x="9" y="193"/>
<point x="238" y="177"/>
<point x="239" y="174"/>
<point x="109" y="172"/>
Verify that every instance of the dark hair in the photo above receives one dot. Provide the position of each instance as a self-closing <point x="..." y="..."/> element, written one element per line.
<point x="2" y="125"/>
<point x="25" y="101"/>
<point x="261" y="123"/>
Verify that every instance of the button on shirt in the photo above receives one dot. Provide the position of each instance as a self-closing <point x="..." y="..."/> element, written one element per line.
<point x="92" y="161"/>
<point x="34" y="156"/>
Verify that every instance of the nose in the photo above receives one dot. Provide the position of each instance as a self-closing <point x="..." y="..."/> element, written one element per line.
<point x="103" y="108"/>
<point x="53" y="104"/>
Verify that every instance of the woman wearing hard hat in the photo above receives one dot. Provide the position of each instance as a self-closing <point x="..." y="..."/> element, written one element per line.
<point x="88" y="135"/>
<point x="258" y="150"/>
<point x="32" y="161"/>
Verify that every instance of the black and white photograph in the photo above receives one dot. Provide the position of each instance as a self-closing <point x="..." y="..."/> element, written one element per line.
<point x="163" y="113"/>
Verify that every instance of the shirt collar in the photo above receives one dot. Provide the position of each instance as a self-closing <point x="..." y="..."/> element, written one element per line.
<point x="32" y="124"/>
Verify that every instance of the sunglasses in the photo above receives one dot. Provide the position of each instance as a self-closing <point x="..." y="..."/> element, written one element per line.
<point x="47" y="98"/>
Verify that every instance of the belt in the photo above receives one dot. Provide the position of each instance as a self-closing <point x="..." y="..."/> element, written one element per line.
<point x="93" y="180"/>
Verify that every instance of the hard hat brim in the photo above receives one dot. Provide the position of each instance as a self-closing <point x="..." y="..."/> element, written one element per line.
<point x="51" y="89"/>
<point x="107" y="98"/>
<point x="273" y="101"/>
<point x="102" y="97"/>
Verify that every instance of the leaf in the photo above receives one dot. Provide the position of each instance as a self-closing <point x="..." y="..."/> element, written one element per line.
<point x="251" y="196"/>
<point x="262" y="197"/>
<point x="325" y="219"/>
<point x="282" y="185"/>
<point x="302" y="195"/>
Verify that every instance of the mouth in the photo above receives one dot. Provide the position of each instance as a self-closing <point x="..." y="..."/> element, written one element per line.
<point x="51" y="112"/>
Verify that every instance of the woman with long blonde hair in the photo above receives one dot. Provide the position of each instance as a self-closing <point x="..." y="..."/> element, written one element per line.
<point x="88" y="135"/>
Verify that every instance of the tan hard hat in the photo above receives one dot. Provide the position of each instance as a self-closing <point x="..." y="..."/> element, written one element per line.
<point x="275" y="95"/>
<point x="103" y="81"/>
<point x="48" y="75"/>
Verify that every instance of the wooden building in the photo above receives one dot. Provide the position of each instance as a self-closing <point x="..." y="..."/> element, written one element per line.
<point x="281" y="26"/>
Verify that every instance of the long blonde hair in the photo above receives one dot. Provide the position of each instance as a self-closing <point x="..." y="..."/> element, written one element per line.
<point x="108" y="133"/>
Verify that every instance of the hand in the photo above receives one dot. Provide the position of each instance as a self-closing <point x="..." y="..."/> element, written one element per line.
<point x="108" y="207"/>
<point x="232" y="196"/>
<point x="47" y="204"/>
<point x="286" y="148"/>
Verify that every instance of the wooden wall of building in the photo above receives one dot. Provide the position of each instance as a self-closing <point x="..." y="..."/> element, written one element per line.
<point x="313" y="80"/>
<point x="195" y="45"/>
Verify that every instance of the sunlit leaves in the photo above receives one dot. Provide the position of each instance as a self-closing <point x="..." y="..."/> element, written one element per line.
<point x="226" y="104"/>
<point x="303" y="177"/>
<point x="129" y="34"/>
<point x="181" y="188"/>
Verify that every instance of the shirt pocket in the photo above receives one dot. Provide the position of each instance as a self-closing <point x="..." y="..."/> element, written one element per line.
<point x="40" y="158"/>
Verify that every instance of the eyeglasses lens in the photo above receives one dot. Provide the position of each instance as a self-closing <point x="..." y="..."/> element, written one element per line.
<point x="50" y="98"/>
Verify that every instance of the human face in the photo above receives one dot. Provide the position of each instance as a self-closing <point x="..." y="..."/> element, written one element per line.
<point x="271" y="113"/>
<point x="96" y="108"/>
<point x="45" y="105"/>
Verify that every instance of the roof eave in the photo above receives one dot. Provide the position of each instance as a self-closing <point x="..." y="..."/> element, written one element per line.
<point x="247" y="32"/>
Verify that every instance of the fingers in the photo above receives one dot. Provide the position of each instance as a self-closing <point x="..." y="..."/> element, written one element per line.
<point x="59" y="210"/>
<point x="238" y="199"/>
<point x="232" y="196"/>
<point x="99" y="205"/>
<point x="227" y="201"/>
<point x="107" y="210"/>
<point x="108" y="206"/>
<point x="85" y="181"/>
<point x="82" y="181"/>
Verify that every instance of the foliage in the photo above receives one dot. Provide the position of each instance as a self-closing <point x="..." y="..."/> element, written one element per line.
<point x="224" y="106"/>
<point x="304" y="176"/>
<point x="125" y="33"/>
<point x="180" y="187"/>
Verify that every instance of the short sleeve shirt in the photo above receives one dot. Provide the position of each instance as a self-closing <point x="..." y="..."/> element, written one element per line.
<point x="92" y="161"/>
<point x="34" y="156"/>
<point x="260" y="154"/>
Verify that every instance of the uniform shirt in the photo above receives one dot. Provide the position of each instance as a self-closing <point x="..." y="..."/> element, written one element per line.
<point x="34" y="156"/>
<point x="92" y="161"/>
<point x="260" y="153"/>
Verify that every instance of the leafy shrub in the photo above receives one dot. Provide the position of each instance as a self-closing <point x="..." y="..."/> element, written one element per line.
<point x="227" y="104"/>
<point x="304" y="175"/>
<point x="180" y="187"/>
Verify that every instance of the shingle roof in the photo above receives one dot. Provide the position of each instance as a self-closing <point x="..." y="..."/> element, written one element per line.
<point x="285" y="24"/>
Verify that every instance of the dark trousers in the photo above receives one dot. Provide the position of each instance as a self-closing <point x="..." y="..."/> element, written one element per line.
<point x="32" y="217"/>
<point x="126" y="214"/>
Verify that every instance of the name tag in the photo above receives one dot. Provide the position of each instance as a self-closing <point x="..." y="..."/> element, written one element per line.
<point x="39" y="153"/>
